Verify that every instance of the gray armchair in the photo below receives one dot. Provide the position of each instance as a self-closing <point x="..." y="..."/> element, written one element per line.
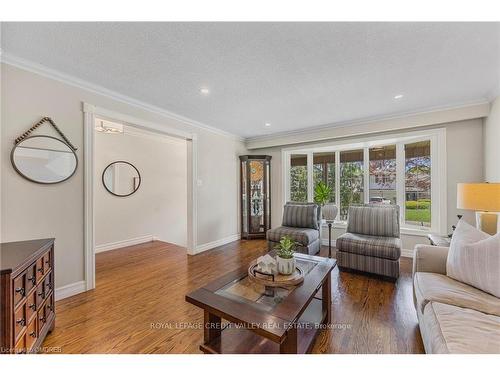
<point x="301" y="221"/>
<point x="371" y="242"/>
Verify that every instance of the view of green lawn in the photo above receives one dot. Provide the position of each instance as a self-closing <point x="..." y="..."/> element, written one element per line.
<point x="418" y="211"/>
<point x="419" y="215"/>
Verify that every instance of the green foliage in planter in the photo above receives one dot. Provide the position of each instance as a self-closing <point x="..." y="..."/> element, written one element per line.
<point x="322" y="193"/>
<point x="286" y="247"/>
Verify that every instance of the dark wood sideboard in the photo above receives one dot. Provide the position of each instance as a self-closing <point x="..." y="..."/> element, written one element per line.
<point x="27" y="308"/>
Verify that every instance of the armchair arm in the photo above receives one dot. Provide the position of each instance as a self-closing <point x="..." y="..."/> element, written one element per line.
<point x="430" y="259"/>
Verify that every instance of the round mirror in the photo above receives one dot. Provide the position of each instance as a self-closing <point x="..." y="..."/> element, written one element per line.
<point x="44" y="159"/>
<point x="121" y="178"/>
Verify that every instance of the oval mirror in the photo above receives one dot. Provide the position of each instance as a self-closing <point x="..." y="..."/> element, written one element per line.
<point x="121" y="178"/>
<point x="44" y="159"/>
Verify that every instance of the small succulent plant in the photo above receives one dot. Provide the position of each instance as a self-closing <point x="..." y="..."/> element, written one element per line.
<point x="285" y="249"/>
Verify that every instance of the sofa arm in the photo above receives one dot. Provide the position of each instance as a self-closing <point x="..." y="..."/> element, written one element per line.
<point x="430" y="259"/>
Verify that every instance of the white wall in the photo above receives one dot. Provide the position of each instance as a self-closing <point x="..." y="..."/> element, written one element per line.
<point x="35" y="211"/>
<point x="464" y="147"/>
<point x="492" y="143"/>
<point x="159" y="207"/>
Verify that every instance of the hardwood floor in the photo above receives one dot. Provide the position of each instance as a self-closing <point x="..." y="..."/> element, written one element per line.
<point x="138" y="305"/>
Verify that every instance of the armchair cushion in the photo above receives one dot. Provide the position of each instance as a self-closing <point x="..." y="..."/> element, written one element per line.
<point x="374" y="220"/>
<point x="379" y="247"/>
<point x="301" y="215"/>
<point x="304" y="236"/>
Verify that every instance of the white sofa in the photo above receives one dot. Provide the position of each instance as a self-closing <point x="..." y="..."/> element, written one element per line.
<point x="453" y="317"/>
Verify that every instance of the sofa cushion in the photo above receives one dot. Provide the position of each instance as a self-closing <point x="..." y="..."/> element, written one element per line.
<point x="300" y="216"/>
<point x="380" y="247"/>
<point x="433" y="287"/>
<point x="474" y="258"/>
<point x="374" y="220"/>
<point x="451" y="329"/>
<point x="304" y="236"/>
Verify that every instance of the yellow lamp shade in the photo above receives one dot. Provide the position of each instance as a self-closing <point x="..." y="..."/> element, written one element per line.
<point x="479" y="197"/>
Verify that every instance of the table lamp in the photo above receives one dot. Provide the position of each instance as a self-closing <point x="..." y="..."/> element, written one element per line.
<point x="484" y="198"/>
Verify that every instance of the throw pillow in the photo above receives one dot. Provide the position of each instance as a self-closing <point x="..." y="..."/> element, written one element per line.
<point x="474" y="258"/>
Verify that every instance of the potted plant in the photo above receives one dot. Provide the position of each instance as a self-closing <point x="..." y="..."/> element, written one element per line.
<point x="285" y="255"/>
<point x="322" y="194"/>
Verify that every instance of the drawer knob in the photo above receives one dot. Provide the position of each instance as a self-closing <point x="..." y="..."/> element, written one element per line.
<point x="32" y="279"/>
<point x="43" y="319"/>
<point x="32" y="306"/>
<point x="51" y="308"/>
<point x="20" y="291"/>
<point x="41" y="294"/>
<point x="49" y="285"/>
<point x="40" y="269"/>
<point x="33" y="334"/>
<point x="47" y="261"/>
<point x="21" y="322"/>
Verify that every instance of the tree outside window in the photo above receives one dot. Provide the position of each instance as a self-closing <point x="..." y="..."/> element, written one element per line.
<point x="351" y="180"/>
<point x="418" y="183"/>
<point x="298" y="178"/>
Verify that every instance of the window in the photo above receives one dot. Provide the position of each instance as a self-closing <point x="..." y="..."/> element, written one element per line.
<point x="402" y="169"/>
<point x="298" y="178"/>
<point x="418" y="183"/>
<point x="351" y="180"/>
<point x="382" y="175"/>
<point x="324" y="170"/>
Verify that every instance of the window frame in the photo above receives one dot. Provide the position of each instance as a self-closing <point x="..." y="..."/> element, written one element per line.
<point x="437" y="138"/>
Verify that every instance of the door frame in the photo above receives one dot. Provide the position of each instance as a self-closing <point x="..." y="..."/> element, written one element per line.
<point x="90" y="112"/>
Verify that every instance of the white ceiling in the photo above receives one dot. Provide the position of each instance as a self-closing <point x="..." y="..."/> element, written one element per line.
<point x="292" y="75"/>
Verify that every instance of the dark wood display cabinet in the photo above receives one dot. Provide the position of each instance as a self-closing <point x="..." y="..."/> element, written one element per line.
<point x="255" y="195"/>
<point x="27" y="295"/>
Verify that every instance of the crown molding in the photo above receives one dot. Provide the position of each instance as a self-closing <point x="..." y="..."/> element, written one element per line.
<point x="406" y="121"/>
<point x="44" y="71"/>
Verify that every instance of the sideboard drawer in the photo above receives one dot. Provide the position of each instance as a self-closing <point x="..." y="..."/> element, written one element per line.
<point x="19" y="320"/>
<point x="30" y="278"/>
<point x="50" y="307"/>
<point x="39" y="269"/>
<point x="47" y="261"/>
<point x="31" y="305"/>
<point x="40" y="294"/>
<point x="48" y="283"/>
<point x="31" y="334"/>
<point x="19" y="288"/>
<point x="42" y="317"/>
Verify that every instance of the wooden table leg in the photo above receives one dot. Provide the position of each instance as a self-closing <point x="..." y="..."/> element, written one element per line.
<point x="327" y="298"/>
<point x="289" y="346"/>
<point x="211" y="327"/>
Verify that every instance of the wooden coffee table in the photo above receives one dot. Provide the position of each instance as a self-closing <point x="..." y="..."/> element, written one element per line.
<point x="243" y="317"/>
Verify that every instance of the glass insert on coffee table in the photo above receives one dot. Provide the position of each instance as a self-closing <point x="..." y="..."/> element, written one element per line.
<point x="241" y="316"/>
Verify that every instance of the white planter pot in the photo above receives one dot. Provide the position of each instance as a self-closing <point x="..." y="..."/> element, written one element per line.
<point x="286" y="266"/>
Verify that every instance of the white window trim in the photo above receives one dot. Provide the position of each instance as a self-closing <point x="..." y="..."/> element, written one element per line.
<point x="438" y="172"/>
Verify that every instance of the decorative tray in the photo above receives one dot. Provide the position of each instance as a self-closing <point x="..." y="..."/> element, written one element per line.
<point x="276" y="280"/>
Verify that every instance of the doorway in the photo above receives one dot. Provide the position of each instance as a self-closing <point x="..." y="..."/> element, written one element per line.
<point x="139" y="212"/>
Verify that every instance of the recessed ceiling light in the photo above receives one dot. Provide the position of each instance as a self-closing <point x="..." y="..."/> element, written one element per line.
<point x="204" y="90"/>
<point x="399" y="96"/>
<point x="267" y="124"/>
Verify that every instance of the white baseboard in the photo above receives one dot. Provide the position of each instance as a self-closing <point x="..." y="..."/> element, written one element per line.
<point x="118" y="244"/>
<point x="222" y="241"/>
<point x="70" y="290"/>
<point x="407" y="253"/>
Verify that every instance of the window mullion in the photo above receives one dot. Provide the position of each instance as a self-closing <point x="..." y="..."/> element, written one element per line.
<point x="400" y="180"/>
<point x="366" y="175"/>
<point x="337" y="182"/>
<point x="310" y="177"/>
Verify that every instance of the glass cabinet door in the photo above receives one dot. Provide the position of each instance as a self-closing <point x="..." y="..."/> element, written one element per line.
<point x="255" y="197"/>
